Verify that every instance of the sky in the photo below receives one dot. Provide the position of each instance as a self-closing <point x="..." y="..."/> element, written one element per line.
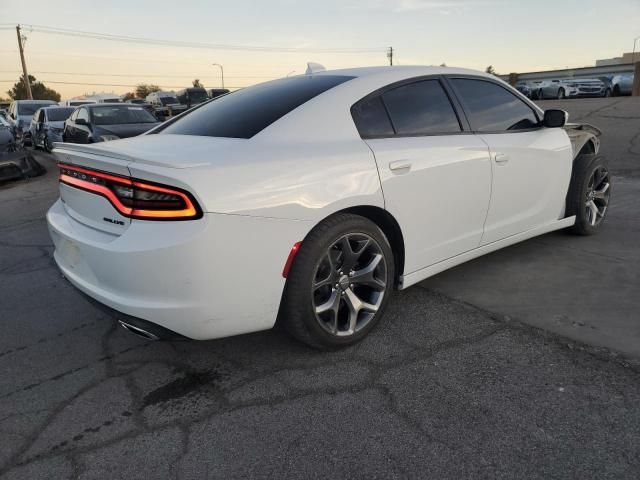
<point x="511" y="35"/>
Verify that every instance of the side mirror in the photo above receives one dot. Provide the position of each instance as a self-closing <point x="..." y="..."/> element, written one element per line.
<point x="555" y="118"/>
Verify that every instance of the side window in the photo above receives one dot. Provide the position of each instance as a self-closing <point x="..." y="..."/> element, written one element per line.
<point x="83" y="114"/>
<point x="492" y="108"/>
<point x="421" y="108"/>
<point x="74" y="115"/>
<point x="371" y="118"/>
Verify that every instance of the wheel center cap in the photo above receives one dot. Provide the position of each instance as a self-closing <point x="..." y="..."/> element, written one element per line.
<point x="343" y="282"/>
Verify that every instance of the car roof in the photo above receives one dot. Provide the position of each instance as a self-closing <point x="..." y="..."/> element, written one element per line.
<point x="106" y="104"/>
<point x="34" y="101"/>
<point x="403" y="70"/>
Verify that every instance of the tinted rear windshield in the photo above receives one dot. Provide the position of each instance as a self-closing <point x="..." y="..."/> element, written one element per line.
<point x="169" y="100"/>
<point x="244" y="113"/>
<point x="30" y="108"/>
<point x="59" y="114"/>
<point x="120" y="115"/>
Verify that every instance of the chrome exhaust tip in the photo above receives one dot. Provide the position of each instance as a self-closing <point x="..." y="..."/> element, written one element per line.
<point x="138" y="331"/>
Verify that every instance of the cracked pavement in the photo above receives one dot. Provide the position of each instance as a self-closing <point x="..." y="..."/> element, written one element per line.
<point x="456" y="382"/>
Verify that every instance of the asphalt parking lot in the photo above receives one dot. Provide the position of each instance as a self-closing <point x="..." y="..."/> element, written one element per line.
<point x="522" y="364"/>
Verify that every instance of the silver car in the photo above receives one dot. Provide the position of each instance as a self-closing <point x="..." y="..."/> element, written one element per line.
<point x="20" y="113"/>
<point x="47" y="125"/>
<point x="572" y="88"/>
<point x="622" y="84"/>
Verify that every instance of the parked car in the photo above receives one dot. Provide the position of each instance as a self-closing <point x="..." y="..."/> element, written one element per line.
<point x="572" y="88"/>
<point x="7" y="141"/>
<point x="144" y="104"/>
<point x="47" y="125"/>
<point x="165" y="103"/>
<point x="76" y="102"/>
<point x="524" y="88"/>
<point x="102" y="122"/>
<point x="216" y="92"/>
<point x="622" y="84"/>
<point x="104" y="98"/>
<point x="192" y="96"/>
<point x="20" y="113"/>
<point x="272" y="205"/>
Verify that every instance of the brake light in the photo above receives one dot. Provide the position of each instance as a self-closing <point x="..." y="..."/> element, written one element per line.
<point x="289" y="262"/>
<point x="133" y="198"/>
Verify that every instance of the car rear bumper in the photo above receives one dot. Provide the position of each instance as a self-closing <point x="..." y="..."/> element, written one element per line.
<point x="214" y="277"/>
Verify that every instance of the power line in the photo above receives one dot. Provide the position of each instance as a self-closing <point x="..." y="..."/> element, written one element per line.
<point x="138" y="75"/>
<point x="177" y="43"/>
<point x="98" y="84"/>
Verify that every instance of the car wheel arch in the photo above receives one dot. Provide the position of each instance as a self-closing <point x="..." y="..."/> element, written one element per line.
<point x="389" y="226"/>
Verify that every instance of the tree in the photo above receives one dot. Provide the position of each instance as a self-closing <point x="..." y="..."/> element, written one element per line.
<point x="38" y="90"/>
<point x="491" y="70"/>
<point x="443" y="64"/>
<point x="128" y="96"/>
<point x="197" y="84"/>
<point x="144" y="89"/>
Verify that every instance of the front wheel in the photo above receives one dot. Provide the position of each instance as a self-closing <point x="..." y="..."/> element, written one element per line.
<point x="561" y="95"/>
<point x="339" y="284"/>
<point x="589" y="194"/>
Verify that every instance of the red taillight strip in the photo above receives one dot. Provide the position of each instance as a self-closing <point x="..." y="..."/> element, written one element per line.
<point x="190" y="212"/>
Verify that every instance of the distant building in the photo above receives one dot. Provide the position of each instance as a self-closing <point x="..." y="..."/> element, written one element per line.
<point x="624" y="59"/>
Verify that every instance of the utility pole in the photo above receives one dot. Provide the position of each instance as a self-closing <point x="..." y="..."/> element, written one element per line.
<point x="390" y="55"/>
<point x="27" y="83"/>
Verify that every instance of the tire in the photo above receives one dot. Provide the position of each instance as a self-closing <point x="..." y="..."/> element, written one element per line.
<point x="607" y="93"/>
<point x="616" y="91"/>
<point x="589" y="194"/>
<point x="47" y="145"/>
<point x="318" y="299"/>
<point x="539" y="95"/>
<point x="561" y="95"/>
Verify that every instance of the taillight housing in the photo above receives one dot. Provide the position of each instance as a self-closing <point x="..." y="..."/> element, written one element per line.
<point x="131" y="197"/>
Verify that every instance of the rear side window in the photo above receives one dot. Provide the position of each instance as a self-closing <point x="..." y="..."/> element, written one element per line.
<point x="246" y="112"/>
<point x="492" y="108"/>
<point x="421" y="108"/>
<point x="371" y="118"/>
<point x="418" y="108"/>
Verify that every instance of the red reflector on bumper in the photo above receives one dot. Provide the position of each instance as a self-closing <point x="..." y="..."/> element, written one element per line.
<point x="289" y="262"/>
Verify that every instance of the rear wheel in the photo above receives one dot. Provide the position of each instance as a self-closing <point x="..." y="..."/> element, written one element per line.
<point x="589" y="194"/>
<point x="561" y="95"/>
<point x="339" y="284"/>
<point x="47" y="144"/>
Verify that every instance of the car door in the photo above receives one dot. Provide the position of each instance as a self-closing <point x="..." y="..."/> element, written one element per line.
<point x="435" y="176"/>
<point x="39" y="127"/>
<point x="531" y="164"/>
<point x="82" y="131"/>
<point x="69" y="129"/>
<point x="33" y="125"/>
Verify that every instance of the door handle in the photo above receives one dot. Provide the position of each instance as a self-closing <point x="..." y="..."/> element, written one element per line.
<point x="501" y="158"/>
<point x="400" y="166"/>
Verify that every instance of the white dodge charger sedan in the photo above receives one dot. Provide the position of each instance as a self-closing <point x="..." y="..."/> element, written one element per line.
<point x="308" y="200"/>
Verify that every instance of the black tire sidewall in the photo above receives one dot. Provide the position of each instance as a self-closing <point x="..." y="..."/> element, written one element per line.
<point x="298" y="306"/>
<point x="583" y="168"/>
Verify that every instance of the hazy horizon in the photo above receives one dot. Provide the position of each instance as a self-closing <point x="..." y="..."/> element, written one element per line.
<point x="513" y="37"/>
